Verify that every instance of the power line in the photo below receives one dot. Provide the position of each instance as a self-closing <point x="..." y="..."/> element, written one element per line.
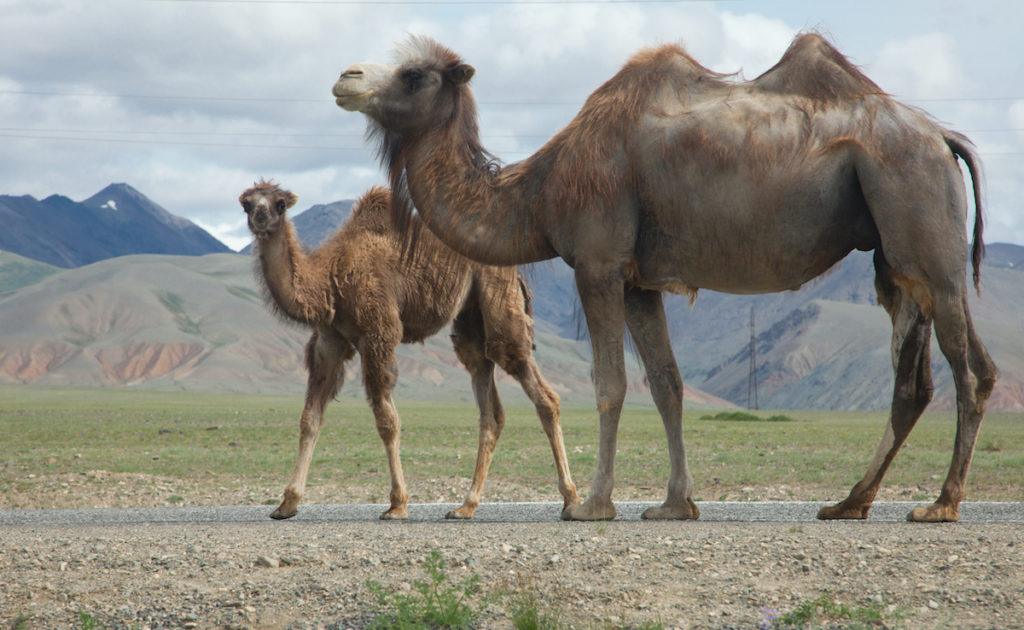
<point x="236" y="145"/>
<point x="321" y="101"/>
<point x="438" y="2"/>
<point x="276" y="134"/>
<point x="314" y="134"/>
<point x="231" y="145"/>
<point x="60" y="138"/>
<point x="110" y="135"/>
<point x="164" y="97"/>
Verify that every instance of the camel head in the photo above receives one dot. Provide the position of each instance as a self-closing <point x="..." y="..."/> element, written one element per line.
<point x="423" y="90"/>
<point x="265" y="204"/>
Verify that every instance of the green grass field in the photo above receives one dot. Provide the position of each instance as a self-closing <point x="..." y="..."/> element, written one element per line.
<point x="207" y="440"/>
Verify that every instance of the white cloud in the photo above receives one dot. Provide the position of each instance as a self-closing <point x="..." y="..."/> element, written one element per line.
<point x="753" y="43"/>
<point x="207" y="150"/>
<point x="1016" y="117"/>
<point x="922" y="66"/>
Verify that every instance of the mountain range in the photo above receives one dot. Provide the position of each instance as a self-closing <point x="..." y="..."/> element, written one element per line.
<point x="116" y="221"/>
<point x="180" y="321"/>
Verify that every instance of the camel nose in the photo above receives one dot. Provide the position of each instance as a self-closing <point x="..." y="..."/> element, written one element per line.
<point x="358" y="83"/>
<point x="352" y="72"/>
<point x="260" y="218"/>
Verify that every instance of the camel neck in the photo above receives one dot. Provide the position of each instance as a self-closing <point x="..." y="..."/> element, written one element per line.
<point x="485" y="216"/>
<point x="296" y="287"/>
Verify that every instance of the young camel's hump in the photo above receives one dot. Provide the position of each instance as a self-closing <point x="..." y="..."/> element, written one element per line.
<point x="381" y="286"/>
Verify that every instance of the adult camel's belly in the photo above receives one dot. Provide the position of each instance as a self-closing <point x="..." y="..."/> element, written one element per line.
<point x="746" y="196"/>
<point x="739" y="234"/>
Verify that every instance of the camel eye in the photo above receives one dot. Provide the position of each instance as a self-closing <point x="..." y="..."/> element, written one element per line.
<point x="413" y="79"/>
<point x="247" y="206"/>
<point x="281" y="207"/>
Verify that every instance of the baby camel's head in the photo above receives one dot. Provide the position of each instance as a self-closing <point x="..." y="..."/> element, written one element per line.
<point x="265" y="204"/>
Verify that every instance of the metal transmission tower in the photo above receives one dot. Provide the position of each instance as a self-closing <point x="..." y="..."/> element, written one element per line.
<point x="752" y="375"/>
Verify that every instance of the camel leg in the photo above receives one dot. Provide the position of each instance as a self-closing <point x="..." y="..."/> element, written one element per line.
<point x="963" y="349"/>
<point x="509" y="343"/>
<point x="645" y="316"/>
<point x="546" y="402"/>
<point x="601" y="295"/>
<point x="326" y="355"/>
<point x="379" y="375"/>
<point x="468" y="339"/>
<point x="912" y="392"/>
<point x="982" y="366"/>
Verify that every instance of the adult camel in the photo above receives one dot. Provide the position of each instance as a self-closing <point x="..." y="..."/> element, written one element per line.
<point x="675" y="178"/>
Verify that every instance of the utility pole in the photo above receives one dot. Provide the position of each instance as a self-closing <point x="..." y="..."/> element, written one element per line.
<point x="752" y="375"/>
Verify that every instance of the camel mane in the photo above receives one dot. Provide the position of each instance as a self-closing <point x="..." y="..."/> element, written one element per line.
<point x="461" y="125"/>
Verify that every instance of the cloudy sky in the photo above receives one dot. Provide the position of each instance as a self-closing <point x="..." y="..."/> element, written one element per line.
<point x="190" y="100"/>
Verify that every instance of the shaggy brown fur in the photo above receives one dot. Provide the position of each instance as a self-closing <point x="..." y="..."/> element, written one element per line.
<point x="358" y="295"/>
<point x="676" y="178"/>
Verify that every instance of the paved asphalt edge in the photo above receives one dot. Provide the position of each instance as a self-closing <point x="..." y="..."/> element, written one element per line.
<point x="711" y="511"/>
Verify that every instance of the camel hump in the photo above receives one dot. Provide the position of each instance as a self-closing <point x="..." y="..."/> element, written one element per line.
<point x="814" y="68"/>
<point x="371" y="211"/>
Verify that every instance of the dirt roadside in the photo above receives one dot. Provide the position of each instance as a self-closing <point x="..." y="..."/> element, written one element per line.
<point x="598" y="575"/>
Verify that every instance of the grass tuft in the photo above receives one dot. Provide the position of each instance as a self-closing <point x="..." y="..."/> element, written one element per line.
<point x="87" y="622"/>
<point x="21" y="621"/>
<point x="825" y="611"/>
<point x="435" y="603"/>
<point x="743" y="416"/>
<point x="531" y="610"/>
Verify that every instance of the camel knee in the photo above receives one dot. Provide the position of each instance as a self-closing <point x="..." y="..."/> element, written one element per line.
<point x="550" y="419"/>
<point x="388" y="429"/>
<point x="492" y="423"/>
<point x="386" y="419"/>
<point x="309" y="426"/>
<point x="611" y="395"/>
<point x="468" y="351"/>
<point x="513" y="355"/>
<point x="986" y="375"/>
<point x="378" y="382"/>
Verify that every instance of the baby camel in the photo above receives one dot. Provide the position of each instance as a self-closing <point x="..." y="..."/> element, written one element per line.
<point x="359" y="293"/>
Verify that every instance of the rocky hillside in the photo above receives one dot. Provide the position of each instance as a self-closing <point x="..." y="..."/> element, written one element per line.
<point x="176" y="322"/>
<point x="826" y="346"/>
<point x="200" y="323"/>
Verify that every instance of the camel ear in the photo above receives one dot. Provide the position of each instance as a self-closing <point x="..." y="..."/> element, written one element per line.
<point x="460" y="73"/>
<point x="287" y="200"/>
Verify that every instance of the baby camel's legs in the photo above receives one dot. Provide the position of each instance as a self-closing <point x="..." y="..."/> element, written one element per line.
<point x="326" y="354"/>
<point x="468" y="340"/>
<point x="494" y="328"/>
<point x="380" y="372"/>
<point x="522" y="367"/>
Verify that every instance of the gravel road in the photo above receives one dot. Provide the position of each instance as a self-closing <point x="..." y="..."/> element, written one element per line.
<point x="125" y="569"/>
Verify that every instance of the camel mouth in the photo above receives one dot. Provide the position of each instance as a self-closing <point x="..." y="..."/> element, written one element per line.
<point x="260" y="230"/>
<point x="350" y="101"/>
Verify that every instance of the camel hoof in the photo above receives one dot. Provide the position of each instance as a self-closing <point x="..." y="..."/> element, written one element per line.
<point x="281" y="514"/>
<point x="461" y="514"/>
<point x="589" y="510"/>
<point x="934" y="513"/>
<point x="842" y="511"/>
<point x="395" y="514"/>
<point x="687" y="512"/>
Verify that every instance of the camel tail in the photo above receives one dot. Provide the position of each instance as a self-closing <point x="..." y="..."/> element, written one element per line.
<point x="964" y="149"/>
